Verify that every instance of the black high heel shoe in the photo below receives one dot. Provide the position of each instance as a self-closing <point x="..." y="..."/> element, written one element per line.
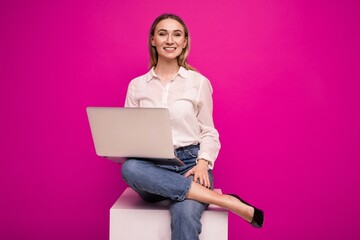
<point x="258" y="218"/>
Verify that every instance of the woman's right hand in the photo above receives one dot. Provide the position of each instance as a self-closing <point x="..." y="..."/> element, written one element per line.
<point x="200" y="173"/>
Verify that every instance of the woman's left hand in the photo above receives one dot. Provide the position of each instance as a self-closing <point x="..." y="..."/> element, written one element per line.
<point x="200" y="172"/>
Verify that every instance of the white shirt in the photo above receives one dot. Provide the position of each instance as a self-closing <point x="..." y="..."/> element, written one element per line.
<point x="188" y="96"/>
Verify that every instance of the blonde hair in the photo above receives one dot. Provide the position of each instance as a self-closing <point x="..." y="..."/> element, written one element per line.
<point x="182" y="58"/>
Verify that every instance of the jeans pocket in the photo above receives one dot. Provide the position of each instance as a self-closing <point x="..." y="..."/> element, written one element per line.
<point x="192" y="152"/>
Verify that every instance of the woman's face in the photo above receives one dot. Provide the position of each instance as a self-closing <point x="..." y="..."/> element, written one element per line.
<point x="169" y="39"/>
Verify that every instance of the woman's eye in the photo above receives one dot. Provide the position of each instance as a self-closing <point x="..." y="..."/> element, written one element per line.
<point x="162" y="34"/>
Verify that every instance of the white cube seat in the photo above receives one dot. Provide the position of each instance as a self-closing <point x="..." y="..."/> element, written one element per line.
<point x="131" y="218"/>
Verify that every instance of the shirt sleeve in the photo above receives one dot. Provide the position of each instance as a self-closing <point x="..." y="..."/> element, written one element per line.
<point x="209" y="136"/>
<point x="130" y="100"/>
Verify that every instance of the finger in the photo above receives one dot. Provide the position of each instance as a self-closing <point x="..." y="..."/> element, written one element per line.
<point x="208" y="181"/>
<point x="188" y="173"/>
<point x="202" y="179"/>
<point x="196" y="178"/>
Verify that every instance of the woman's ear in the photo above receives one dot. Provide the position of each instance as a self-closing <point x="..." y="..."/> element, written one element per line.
<point x="185" y="42"/>
<point x="152" y="41"/>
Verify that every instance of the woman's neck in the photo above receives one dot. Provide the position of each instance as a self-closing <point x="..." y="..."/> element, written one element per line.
<point x="166" y="70"/>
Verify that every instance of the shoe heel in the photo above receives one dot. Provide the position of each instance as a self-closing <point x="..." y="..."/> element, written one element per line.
<point x="258" y="217"/>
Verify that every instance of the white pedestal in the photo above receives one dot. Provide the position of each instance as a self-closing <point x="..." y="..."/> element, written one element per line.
<point x="131" y="218"/>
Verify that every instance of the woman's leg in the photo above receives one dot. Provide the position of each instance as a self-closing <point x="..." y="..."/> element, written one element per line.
<point x="199" y="193"/>
<point x="144" y="176"/>
<point x="185" y="219"/>
<point x="186" y="215"/>
<point x="150" y="180"/>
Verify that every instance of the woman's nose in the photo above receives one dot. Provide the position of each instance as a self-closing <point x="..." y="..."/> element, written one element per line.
<point x="169" y="39"/>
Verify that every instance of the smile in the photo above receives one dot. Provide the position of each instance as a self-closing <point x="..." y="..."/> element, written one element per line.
<point x="169" y="49"/>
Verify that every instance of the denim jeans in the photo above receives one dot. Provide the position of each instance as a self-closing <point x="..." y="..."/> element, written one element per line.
<point x="158" y="182"/>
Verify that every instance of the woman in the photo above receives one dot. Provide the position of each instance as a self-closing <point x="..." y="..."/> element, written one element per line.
<point x="172" y="83"/>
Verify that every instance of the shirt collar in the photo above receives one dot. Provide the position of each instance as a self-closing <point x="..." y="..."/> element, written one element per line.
<point x="183" y="72"/>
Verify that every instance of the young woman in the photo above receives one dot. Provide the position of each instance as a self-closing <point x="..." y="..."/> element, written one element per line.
<point x="172" y="83"/>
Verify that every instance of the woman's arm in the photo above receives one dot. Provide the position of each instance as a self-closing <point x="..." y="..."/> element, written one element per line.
<point x="130" y="100"/>
<point x="209" y="136"/>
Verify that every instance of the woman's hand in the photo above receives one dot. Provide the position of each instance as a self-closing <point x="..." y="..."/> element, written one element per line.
<point x="200" y="172"/>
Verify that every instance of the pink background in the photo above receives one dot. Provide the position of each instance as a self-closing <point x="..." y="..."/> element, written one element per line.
<point x="286" y="82"/>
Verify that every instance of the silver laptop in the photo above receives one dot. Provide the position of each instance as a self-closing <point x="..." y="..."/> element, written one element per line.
<point x="141" y="133"/>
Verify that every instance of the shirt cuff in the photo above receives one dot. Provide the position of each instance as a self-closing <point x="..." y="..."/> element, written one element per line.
<point x="210" y="163"/>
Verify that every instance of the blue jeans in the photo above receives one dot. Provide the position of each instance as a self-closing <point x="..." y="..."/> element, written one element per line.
<point x="158" y="182"/>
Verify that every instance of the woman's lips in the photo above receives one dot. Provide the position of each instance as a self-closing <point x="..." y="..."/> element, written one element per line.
<point x="170" y="49"/>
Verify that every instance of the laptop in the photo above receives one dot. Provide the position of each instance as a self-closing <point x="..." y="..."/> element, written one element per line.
<point x="139" y="133"/>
